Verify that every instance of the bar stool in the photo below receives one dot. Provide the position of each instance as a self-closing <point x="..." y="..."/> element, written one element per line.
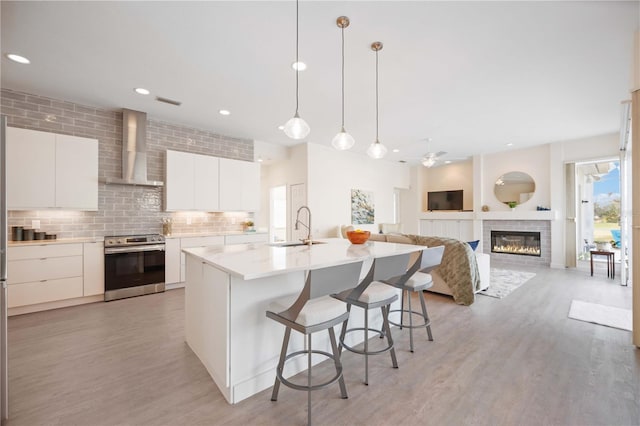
<point x="372" y="294"/>
<point x="418" y="281"/>
<point x="314" y="310"/>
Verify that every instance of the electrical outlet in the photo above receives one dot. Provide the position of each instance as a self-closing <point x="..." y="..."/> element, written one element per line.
<point x="35" y="224"/>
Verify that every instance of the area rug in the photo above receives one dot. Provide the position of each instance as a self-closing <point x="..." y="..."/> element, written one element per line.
<point x="504" y="281"/>
<point x="601" y="314"/>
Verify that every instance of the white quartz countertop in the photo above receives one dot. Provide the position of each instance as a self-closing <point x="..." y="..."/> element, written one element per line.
<point x="56" y="241"/>
<point x="252" y="261"/>
<point x="212" y="234"/>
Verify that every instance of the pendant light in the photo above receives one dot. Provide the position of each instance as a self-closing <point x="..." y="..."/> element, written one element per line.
<point x="296" y="127"/>
<point x="376" y="149"/>
<point x="343" y="140"/>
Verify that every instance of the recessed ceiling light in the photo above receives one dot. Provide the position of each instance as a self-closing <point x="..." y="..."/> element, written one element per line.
<point x="280" y="127"/>
<point x="300" y="66"/>
<point x="510" y="144"/>
<point x="396" y="150"/>
<point x="259" y="160"/>
<point x="447" y="162"/>
<point x="17" y="58"/>
<point x="141" y="91"/>
<point x="224" y="112"/>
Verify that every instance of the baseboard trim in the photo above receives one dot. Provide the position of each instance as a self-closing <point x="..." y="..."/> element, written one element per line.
<point x="20" y="310"/>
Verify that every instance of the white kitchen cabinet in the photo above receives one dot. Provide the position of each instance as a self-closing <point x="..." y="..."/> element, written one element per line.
<point x="76" y="172"/>
<point x="459" y="229"/>
<point x="44" y="273"/>
<point x="189" y="242"/>
<point x="239" y="185"/>
<point x="30" y="169"/>
<point x="206" y="183"/>
<point x="172" y="260"/>
<point x="179" y="187"/>
<point x="93" y="268"/>
<point x="191" y="182"/>
<point x="48" y="170"/>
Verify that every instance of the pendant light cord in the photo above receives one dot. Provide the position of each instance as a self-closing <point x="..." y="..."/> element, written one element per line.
<point x="343" y="78"/>
<point x="377" y="141"/>
<point x="297" y="61"/>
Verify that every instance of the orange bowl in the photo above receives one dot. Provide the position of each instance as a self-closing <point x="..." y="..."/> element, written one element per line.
<point x="358" y="237"/>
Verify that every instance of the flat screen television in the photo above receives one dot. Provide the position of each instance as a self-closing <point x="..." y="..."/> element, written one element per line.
<point x="444" y="200"/>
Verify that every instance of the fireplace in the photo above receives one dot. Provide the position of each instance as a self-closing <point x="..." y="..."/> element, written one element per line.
<point x="516" y="242"/>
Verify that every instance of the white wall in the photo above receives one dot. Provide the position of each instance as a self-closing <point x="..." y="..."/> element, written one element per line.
<point x="533" y="161"/>
<point x="450" y="177"/>
<point x="332" y="176"/>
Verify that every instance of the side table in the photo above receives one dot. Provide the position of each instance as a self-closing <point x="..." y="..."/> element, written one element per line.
<point x="611" y="266"/>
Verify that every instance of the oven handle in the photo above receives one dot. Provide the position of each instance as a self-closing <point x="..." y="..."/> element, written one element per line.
<point x="153" y="247"/>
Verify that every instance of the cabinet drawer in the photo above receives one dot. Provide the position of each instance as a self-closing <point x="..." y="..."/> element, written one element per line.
<point x="22" y="271"/>
<point x="201" y="241"/>
<point x="44" y="250"/>
<point x="44" y="291"/>
<point x="243" y="239"/>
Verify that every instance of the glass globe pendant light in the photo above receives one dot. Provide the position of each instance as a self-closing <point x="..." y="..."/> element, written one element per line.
<point x="296" y="127"/>
<point x="343" y="140"/>
<point x="376" y="149"/>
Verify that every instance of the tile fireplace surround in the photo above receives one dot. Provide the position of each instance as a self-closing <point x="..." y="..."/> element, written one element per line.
<point x="542" y="226"/>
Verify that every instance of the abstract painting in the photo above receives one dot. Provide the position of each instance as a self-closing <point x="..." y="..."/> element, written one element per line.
<point x="362" y="208"/>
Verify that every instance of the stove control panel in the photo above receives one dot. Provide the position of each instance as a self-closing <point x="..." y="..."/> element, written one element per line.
<point x="133" y="240"/>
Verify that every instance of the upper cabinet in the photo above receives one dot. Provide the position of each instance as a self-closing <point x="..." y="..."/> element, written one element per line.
<point x="205" y="183"/>
<point x="191" y="182"/>
<point x="48" y="170"/>
<point x="239" y="185"/>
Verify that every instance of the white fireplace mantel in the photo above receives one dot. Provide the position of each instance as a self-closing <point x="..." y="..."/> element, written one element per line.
<point x="493" y="215"/>
<point x="518" y="215"/>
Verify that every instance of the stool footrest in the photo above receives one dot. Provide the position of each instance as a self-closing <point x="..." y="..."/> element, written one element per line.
<point x="403" y="311"/>
<point x="360" y="351"/>
<point x="322" y="385"/>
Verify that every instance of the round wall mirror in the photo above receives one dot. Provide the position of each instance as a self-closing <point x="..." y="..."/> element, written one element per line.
<point x="514" y="188"/>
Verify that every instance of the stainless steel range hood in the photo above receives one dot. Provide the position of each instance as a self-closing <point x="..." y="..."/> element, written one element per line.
<point x="134" y="151"/>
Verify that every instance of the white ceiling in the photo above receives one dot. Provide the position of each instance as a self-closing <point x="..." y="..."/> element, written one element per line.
<point x="472" y="76"/>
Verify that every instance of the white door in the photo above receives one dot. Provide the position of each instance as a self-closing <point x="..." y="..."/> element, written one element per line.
<point x="298" y="199"/>
<point x="278" y="213"/>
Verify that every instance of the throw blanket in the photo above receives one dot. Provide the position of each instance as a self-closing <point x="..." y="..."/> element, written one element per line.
<point x="458" y="268"/>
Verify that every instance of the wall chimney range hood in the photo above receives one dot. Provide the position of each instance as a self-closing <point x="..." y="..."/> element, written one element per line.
<point x="134" y="151"/>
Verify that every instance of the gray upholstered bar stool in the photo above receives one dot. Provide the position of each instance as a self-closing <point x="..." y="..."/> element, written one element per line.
<point x="372" y="294"/>
<point x="418" y="280"/>
<point x="314" y="310"/>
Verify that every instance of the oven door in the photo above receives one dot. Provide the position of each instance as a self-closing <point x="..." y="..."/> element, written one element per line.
<point x="127" y="267"/>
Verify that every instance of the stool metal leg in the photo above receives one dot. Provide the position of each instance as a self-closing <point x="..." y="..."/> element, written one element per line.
<point x="338" y="362"/>
<point x="410" y="322"/>
<point x="402" y="308"/>
<point x="427" y="321"/>
<point x="366" y="347"/>
<point x="343" y="332"/>
<point x="309" y="382"/>
<point x="387" y="329"/>
<point x="280" y="369"/>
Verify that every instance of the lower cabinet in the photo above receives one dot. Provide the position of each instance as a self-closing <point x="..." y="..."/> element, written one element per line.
<point x="175" y="260"/>
<point x="460" y="229"/>
<point x="93" y="282"/>
<point x="44" y="273"/>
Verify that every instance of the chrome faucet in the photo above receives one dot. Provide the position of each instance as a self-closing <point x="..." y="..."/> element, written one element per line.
<point x="308" y="239"/>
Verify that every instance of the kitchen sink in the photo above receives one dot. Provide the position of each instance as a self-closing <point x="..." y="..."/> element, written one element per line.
<point x="295" y="243"/>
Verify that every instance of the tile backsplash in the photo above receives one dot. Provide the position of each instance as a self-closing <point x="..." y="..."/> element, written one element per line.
<point x="122" y="209"/>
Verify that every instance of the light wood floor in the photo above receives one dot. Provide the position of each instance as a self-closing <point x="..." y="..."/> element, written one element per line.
<point x="515" y="361"/>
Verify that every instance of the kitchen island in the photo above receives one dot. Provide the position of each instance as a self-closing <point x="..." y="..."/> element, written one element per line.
<point x="228" y="290"/>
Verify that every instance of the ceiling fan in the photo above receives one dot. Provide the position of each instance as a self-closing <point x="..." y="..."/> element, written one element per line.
<point x="431" y="158"/>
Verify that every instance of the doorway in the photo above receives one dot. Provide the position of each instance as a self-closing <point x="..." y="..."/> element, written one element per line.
<point x="598" y="189"/>
<point x="278" y="214"/>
